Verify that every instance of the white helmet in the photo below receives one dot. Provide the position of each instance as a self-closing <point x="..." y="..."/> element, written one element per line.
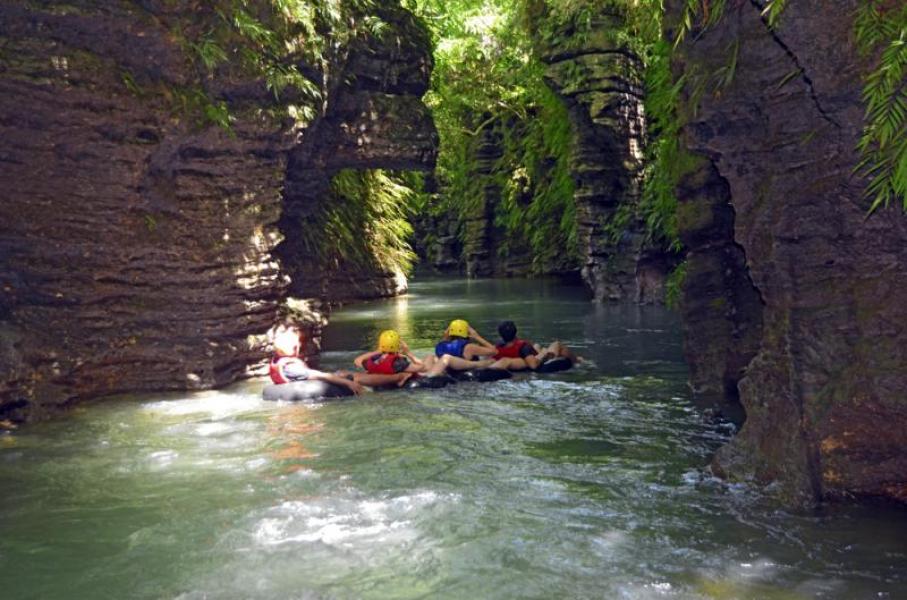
<point x="286" y="343"/>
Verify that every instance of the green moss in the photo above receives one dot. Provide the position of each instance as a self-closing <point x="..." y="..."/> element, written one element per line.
<point x="365" y="224"/>
<point x="694" y="215"/>
<point x="675" y="284"/>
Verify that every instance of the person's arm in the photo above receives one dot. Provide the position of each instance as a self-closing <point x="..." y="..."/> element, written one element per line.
<point x="482" y="341"/>
<point x="359" y="361"/>
<point x="337" y="380"/>
<point x="472" y="350"/>
<point x="404" y="347"/>
<point x="373" y="379"/>
<point x="482" y="348"/>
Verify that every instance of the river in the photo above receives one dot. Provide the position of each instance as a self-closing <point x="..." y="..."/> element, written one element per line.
<point x="584" y="484"/>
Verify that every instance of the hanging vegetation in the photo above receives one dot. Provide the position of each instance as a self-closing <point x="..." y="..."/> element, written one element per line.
<point x="884" y="141"/>
<point x="486" y="77"/>
<point x="288" y="45"/>
<point x="364" y="225"/>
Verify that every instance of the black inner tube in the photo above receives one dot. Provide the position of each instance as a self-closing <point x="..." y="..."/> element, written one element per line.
<point x="311" y="389"/>
<point x="315" y="389"/>
<point x="555" y="365"/>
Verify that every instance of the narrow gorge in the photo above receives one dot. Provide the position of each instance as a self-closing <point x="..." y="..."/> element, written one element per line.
<point x="179" y="180"/>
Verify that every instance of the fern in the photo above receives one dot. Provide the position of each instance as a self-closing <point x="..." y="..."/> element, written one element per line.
<point x="883" y="144"/>
<point x="663" y="165"/>
<point x="674" y="285"/>
<point x="364" y="225"/>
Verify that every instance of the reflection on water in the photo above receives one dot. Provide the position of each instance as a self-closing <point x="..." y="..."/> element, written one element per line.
<point x="588" y="483"/>
<point x="289" y="428"/>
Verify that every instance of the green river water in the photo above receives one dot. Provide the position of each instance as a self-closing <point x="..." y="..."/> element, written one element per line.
<point x="584" y="484"/>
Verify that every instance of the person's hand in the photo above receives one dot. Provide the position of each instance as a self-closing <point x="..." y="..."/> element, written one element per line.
<point x="472" y="332"/>
<point x="356" y="388"/>
<point x="404" y="347"/>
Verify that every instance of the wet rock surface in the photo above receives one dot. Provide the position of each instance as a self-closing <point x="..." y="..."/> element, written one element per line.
<point x="375" y="120"/>
<point x="824" y="389"/>
<point x="600" y="80"/>
<point x="137" y="242"/>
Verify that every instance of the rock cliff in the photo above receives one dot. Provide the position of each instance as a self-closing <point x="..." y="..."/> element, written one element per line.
<point x="794" y="295"/>
<point x="473" y="242"/>
<point x="374" y="120"/>
<point x="137" y="238"/>
<point x="600" y="80"/>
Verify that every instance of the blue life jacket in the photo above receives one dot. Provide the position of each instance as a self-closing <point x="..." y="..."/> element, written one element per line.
<point x="453" y="347"/>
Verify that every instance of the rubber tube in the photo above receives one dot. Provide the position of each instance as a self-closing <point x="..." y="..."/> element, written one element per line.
<point x="555" y="365"/>
<point x="297" y="391"/>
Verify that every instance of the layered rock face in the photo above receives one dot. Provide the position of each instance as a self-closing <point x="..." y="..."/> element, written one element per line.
<point x="599" y="79"/>
<point x="437" y="242"/>
<point x="375" y="119"/>
<point x="484" y="254"/>
<point x="803" y="292"/>
<point x="136" y="242"/>
<point x="472" y="243"/>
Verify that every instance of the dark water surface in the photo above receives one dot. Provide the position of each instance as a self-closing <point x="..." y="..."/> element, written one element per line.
<point x="586" y="484"/>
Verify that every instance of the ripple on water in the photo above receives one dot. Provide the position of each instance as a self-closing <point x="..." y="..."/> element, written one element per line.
<point x="308" y="543"/>
<point x="216" y="404"/>
<point x="585" y="484"/>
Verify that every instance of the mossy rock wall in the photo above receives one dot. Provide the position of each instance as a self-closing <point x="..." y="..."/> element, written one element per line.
<point x="803" y="291"/>
<point x="137" y="238"/>
<point x="375" y="119"/>
<point x="600" y="81"/>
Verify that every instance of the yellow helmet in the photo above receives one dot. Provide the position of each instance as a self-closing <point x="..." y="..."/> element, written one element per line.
<point x="286" y="343"/>
<point x="458" y="328"/>
<point x="389" y="341"/>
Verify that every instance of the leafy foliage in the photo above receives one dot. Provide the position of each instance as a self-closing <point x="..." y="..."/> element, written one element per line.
<point x="665" y="160"/>
<point x="537" y="205"/>
<point x="674" y="285"/>
<point x="364" y="224"/>
<point x="487" y="77"/>
<point x="884" y="140"/>
<point x="288" y="45"/>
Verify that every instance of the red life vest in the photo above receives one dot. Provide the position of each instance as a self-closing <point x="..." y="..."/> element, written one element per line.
<point x="382" y="364"/>
<point x="275" y="369"/>
<point x="511" y="349"/>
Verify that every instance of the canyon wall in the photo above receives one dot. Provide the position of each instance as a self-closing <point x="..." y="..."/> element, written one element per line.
<point x="375" y="119"/>
<point x="794" y="296"/>
<point x="472" y="242"/>
<point x="601" y="81"/>
<point x="137" y="237"/>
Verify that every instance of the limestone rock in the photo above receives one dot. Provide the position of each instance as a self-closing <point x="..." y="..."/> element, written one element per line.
<point x="136" y="243"/>
<point x="794" y="275"/>
<point x="376" y="119"/>
<point x="600" y="80"/>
